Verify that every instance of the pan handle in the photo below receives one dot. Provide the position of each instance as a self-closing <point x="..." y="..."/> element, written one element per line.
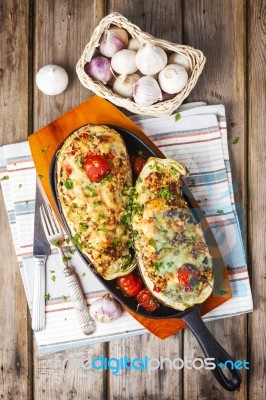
<point x="212" y="349"/>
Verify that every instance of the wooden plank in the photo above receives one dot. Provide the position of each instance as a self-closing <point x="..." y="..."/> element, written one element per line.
<point x="218" y="29"/>
<point x="15" y="337"/>
<point x="257" y="195"/>
<point x="62" y="29"/>
<point x="163" y="20"/>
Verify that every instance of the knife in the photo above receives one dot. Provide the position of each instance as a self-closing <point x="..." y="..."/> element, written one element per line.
<point x="41" y="249"/>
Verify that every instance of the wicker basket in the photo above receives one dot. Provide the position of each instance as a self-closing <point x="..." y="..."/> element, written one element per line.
<point x="196" y="58"/>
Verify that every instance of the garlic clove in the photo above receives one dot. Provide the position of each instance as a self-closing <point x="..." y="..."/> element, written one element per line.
<point x="180" y="59"/>
<point x="173" y="78"/>
<point x="52" y="79"/>
<point x="105" y="309"/>
<point x="134" y="44"/>
<point x="150" y="59"/>
<point x="123" y="85"/>
<point x="124" y="62"/>
<point x="99" y="69"/>
<point x="146" y="91"/>
<point x="112" y="41"/>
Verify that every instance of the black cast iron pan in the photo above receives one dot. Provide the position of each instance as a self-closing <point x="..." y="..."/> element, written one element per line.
<point x="191" y="316"/>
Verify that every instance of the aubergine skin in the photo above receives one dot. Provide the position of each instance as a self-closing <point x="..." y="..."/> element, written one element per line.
<point x="172" y="253"/>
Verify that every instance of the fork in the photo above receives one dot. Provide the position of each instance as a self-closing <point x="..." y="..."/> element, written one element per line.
<point x="56" y="237"/>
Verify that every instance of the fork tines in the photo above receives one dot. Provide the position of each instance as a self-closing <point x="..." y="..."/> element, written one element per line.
<point x="50" y="223"/>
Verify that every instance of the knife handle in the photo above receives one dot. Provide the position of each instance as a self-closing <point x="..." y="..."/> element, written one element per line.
<point x="38" y="301"/>
<point x="86" y="322"/>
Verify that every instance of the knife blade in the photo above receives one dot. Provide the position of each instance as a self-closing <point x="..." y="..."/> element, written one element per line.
<point x="41" y="249"/>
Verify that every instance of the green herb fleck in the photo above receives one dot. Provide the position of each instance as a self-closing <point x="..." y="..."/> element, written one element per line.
<point x="45" y="149"/>
<point x="177" y="117"/>
<point x="220" y="211"/>
<point x="52" y="271"/>
<point x="170" y="264"/>
<point x="95" y="204"/>
<point x="5" y="178"/>
<point x="199" y="201"/>
<point x="67" y="240"/>
<point x="139" y="180"/>
<point x="155" y="166"/>
<point x="65" y="319"/>
<point x="76" y="241"/>
<point x="236" y="140"/>
<point x="68" y="184"/>
<point x="91" y="191"/>
<point x="64" y="298"/>
<point x="173" y="172"/>
<point x="47" y="296"/>
<point x="137" y="208"/>
<point x="103" y="229"/>
<point x="140" y="152"/>
<point x="157" y="265"/>
<point x="102" y="215"/>
<point x="116" y="241"/>
<point x="165" y="194"/>
<point x="126" y="262"/>
<point x="20" y="186"/>
<point x="80" y="160"/>
<point x="66" y="259"/>
<point x="40" y="176"/>
<point x="71" y="251"/>
<point x="57" y="243"/>
<point x="135" y="235"/>
<point x="106" y="179"/>
<point x="83" y="274"/>
<point x="153" y="244"/>
<point x="53" y="278"/>
<point x="83" y="227"/>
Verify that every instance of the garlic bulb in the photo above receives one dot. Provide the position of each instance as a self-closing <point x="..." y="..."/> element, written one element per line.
<point x="52" y="79"/>
<point x="173" y="78"/>
<point x="176" y="58"/>
<point x="146" y="91"/>
<point x="123" y="85"/>
<point x="99" y="69"/>
<point x="112" y="41"/>
<point x="124" y="62"/>
<point x="134" y="44"/>
<point x="150" y="59"/>
<point x="105" y="309"/>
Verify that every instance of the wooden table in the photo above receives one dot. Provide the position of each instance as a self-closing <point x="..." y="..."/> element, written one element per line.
<point x="231" y="35"/>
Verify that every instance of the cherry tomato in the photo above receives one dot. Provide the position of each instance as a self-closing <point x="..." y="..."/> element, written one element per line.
<point x="137" y="164"/>
<point x="188" y="275"/>
<point x="147" y="301"/>
<point x="96" y="167"/>
<point x="130" y="284"/>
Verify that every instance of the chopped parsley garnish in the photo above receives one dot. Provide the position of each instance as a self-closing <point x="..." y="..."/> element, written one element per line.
<point x="165" y="194"/>
<point x="66" y="259"/>
<point x="177" y="117"/>
<point x="140" y="152"/>
<point x="153" y="244"/>
<point x="103" y="229"/>
<point x="70" y="251"/>
<point x="170" y="264"/>
<point x="57" y="243"/>
<point x="83" y="274"/>
<point x="53" y="278"/>
<point x="95" y="204"/>
<point x="116" y="241"/>
<point x="173" y="172"/>
<point x="139" y="180"/>
<point x="40" y="176"/>
<point x="45" y="149"/>
<point x="91" y="191"/>
<point x="83" y="227"/>
<point x="126" y="220"/>
<point x="236" y="140"/>
<point x="52" y="271"/>
<point x="157" y="265"/>
<point x="20" y="186"/>
<point x="68" y="183"/>
<point x="137" y="208"/>
<point x="64" y="298"/>
<point x="47" y="296"/>
<point x="199" y="201"/>
<point x="80" y="160"/>
<point x="220" y="211"/>
<point x="155" y="166"/>
<point x="76" y="241"/>
<point x="5" y="178"/>
<point x="67" y="240"/>
<point x="102" y="215"/>
<point x="126" y="262"/>
<point x="106" y="179"/>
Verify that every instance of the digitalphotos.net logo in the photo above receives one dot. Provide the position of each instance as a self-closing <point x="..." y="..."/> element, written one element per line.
<point x="146" y="363"/>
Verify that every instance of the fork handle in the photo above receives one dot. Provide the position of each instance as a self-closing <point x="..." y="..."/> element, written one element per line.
<point x="38" y="300"/>
<point x="86" y="322"/>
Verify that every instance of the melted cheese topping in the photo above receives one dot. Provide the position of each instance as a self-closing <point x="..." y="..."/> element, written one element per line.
<point x="168" y="236"/>
<point x="93" y="210"/>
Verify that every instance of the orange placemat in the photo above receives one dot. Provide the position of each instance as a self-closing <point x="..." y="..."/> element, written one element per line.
<point x="44" y="144"/>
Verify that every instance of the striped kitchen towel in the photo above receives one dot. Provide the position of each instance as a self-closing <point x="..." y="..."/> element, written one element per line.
<point x="198" y="138"/>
